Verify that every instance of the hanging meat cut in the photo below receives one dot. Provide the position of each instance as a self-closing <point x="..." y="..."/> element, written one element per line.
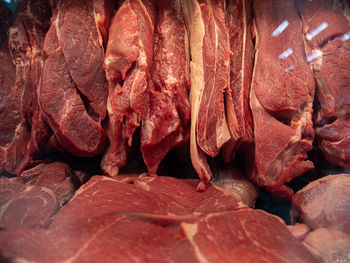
<point x="210" y="59"/>
<point x="128" y="60"/>
<point x="327" y="32"/>
<point x="239" y="21"/>
<point x="167" y="119"/>
<point x="23" y="131"/>
<point x="73" y="91"/>
<point x="281" y="98"/>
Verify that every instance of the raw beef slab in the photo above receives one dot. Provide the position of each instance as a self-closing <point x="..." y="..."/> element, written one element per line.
<point x="73" y="92"/>
<point x="23" y="131"/>
<point x="333" y="193"/>
<point x="281" y="98"/>
<point x="115" y="238"/>
<point x="121" y="220"/>
<point x="56" y="176"/>
<point x="210" y="59"/>
<point x="328" y="245"/>
<point x="128" y="59"/>
<point x="239" y="21"/>
<point x="166" y="122"/>
<point x="25" y="206"/>
<point x="330" y="49"/>
<point x="245" y="235"/>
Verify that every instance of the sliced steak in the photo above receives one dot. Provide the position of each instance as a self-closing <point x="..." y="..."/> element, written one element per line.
<point x="327" y="33"/>
<point x="23" y="131"/>
<point x="56" y="176"/>
<point x="73" y="93"/>
<point x="325" y="203"/>
<point x="210" y="59"/>
<point x="245" y="235"/>
<point x="25" y="206"/>
<point x="239" y="21"/>
<point x="281" y="98"/>
<point x="328" y="245"/>
<point x="128" y="60"/>
<point x="166" y="122"/>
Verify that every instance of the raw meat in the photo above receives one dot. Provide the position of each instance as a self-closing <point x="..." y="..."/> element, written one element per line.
<point x="56" y="176"/>
<point x="166" y="122"/>
<point x="165" y="199"/>
<point x="22" y="130"/>
<point x="239" y="21"/>
<point x="245" y="235"/>
<point x="281" y="98"/>
<point x="115" y="238"/>
<point x="325" y="203"/>
<point x="299" y="230"/>
<point x="25" y="206"/>
<point x="128" y="60"/>
<point x="210" y="59"/>
<point x="232" y="179"/>
<point x="328" y="245"/>
<point x="73" y="93"/>
<point x="329" y="55"/>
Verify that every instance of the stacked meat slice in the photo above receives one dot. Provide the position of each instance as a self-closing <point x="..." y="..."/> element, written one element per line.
<point x="239" y="22"/>
<point x="281" y="98"/>
<point x="326" y="25"/>
<point x="210" y="57"/>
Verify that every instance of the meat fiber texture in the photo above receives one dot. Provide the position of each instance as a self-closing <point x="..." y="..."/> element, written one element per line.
<point x="281" y="98"/>
<point x="128" y="60"/>
<point x="23" y="131"/>
<point x="144" y="220"/>
<point x="239" y="22"/>
<point x="166" y="123"/>
<point x="326" y="27"/>
<point x="209" y="67"/>
<point x="73" y="92"/>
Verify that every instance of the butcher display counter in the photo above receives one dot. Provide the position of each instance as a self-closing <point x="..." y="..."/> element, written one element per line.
<point x="174" y="131"/>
